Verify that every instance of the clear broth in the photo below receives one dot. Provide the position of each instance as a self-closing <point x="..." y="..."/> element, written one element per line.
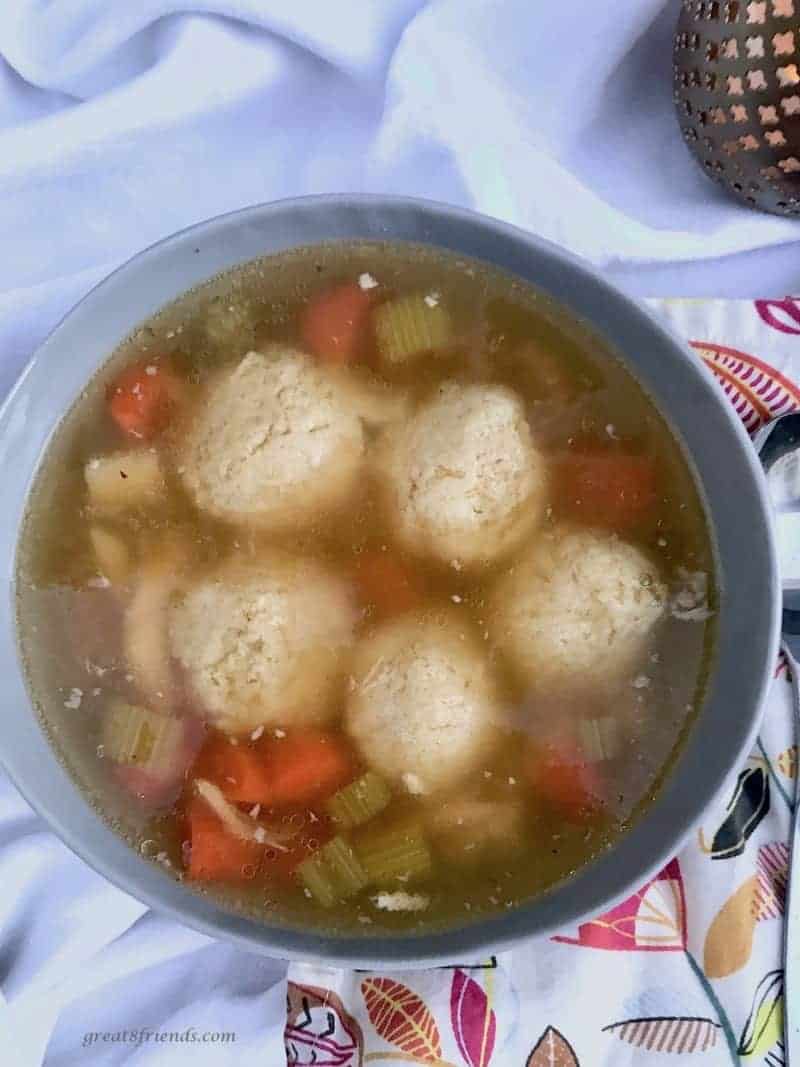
<point x="501" y="324"/>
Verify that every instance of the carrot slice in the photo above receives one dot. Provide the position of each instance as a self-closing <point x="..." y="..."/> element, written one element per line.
<point x="295" y="771"/>
<point x="215" y="854"/>
<point x="336" y="324"/>
<point x="386" y="585"/>
<point x="142" y="398"/>
<point x="564" y="779"/>
<point x="612" y="490"/>
<point x="241" y="771"/>
<point x="307" y="766"/>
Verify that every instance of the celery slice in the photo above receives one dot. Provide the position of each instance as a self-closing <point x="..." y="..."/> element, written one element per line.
<point x="342" y="860"/>
<point x="316" y="878"/>
<point x="140" y="737"/>
<point x="397" y="854"/>
<point x="359" y="801"/>
<point x="411" y="325"/>
<point x="333" y="873"/>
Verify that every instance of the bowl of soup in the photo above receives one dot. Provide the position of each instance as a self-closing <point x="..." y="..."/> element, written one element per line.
<point x="383" y="586"/>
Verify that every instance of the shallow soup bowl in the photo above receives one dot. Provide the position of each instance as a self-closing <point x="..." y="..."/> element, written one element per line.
<point x="715" y="443"/>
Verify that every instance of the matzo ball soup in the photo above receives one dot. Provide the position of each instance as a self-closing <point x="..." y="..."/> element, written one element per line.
<point x="366" y="591"/>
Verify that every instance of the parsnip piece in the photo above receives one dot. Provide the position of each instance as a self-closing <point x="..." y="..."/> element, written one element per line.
<point x="125" y="481"/>
<point x="145" y="637"/>
<point x="112" y="555"/>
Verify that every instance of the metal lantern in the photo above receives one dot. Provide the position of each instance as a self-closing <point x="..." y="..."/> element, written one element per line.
<point x="737" y="91"/>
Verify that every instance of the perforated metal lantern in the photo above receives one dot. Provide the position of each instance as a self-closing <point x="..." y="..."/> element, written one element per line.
<point x="737" y="91"/>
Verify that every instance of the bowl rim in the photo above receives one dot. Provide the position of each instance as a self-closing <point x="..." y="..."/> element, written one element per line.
<point x="513" y="250"/>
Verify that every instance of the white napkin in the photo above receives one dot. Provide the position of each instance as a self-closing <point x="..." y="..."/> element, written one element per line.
<point x="122" y="122"/>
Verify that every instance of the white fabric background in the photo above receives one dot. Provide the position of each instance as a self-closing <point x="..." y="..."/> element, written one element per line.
<point x="122" y="121"/>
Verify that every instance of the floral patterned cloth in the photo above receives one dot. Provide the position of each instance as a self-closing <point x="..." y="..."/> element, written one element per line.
<point x="690" y="966"/>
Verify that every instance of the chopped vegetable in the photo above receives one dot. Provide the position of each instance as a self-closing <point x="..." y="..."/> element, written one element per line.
<point x="396" y="854"/>
<point x="125" y="481"/>
<point x="465" y="830"/>
<point x="333" y="873"/>
<point x="215" y="853"/>
<point x="564" y="779"/>
<point x="160" y="788"/>
<point x="360" y="801"/>
<point x="296" y="770"/>
<point x="599" y="738"/>
<point x="142" y="398"/>
<point x="306" y="766"/>
<point x="145" y="630"/>
<point x="112" y="555"/>
<point x="611" y="489"/>
<point x="386" y="584"/>
<point x="336" y="324"/>
<point x="411" y="326"/>
<point x="144" y="738"/>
